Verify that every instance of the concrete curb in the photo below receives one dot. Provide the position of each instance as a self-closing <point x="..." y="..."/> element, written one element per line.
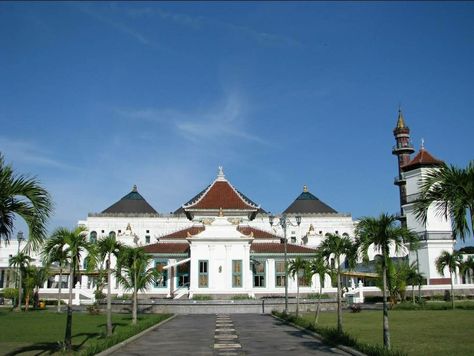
<point x="133" y="338"/>
<point x="347" y="349"/>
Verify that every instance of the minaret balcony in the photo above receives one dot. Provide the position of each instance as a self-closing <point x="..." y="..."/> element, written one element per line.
<point x="401" y="217"/>
<point x="399" y="180"/>
<point x="403" y="148"/>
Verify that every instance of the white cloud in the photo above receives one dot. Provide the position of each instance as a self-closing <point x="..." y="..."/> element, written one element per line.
<point x="225" y="120"/>
<point x="30" y="153"/>
<point x="198" y="22"/>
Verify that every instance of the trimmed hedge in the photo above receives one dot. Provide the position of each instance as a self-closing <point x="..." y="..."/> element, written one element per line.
<point x="107" y="342"/>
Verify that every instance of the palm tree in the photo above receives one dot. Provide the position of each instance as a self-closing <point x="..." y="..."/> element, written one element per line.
<point x="467" y="269"/>
<point x="450" y="260"/>
<point x="41" y="276"/>
<point x="414" y="278"/>
<point x="451" y="190"/>
<point x="320" y="267"/>
<point x="382" y="233"/>
<point x="54" y="251"/>
<point x="295" y="268"/>
<point x="34" y="279"/>
<point x="134" y="274"/>
<point x="21" y="261"/>
<point x="22" y="195"/>
<point x="107" y="247"/>
<point x="336" y="247"/>
<point x="75" y="246"/>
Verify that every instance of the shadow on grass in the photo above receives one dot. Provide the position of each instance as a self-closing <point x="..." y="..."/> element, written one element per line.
<point x="49" y="348"/>
<point x="114" y="326"/>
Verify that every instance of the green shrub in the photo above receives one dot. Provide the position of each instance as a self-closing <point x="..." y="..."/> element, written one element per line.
<point x="316" y="296"/>
<point x="373" y="299"/>
<point x="202" y="297"/>
<point x="466" y="305"/>
<point x="104" y="343"/>
<point x="242" y="297"/>
<point x="10" y="293"/>
<point x="99" y="295"/>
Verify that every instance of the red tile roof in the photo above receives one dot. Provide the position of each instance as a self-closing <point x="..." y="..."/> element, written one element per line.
<point x="422" y="158"/>
<point x="279" y="248"/>
<point x="182" y="234"/>
<point x="258" y="234"/>
<point x="221" y="194"/>
<point x="167" y="247"/>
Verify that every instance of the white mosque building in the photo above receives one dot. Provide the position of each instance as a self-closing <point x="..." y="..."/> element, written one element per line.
<point x="221" y="243"/>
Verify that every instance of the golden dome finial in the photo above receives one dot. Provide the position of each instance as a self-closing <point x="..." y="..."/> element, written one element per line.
<point x="401" y="120"/>
<point x="305" y="188"/>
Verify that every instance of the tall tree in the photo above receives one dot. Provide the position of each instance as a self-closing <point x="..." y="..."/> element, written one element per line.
<point x="467" y="269"/>
<point x="20" y="261"/>
<point x="23" y="196"/>
<point x="134" y="274"/>
<point x="383" y="233"/>
<point x="451" y="261"/>
<point x="75" y="245"/>
<point x="337" y="247"/>
<point x="108" y="247"/>
<point x="451" y="191"/>
<point x="414" y="278"/>
<point x="296" y="267"/>
<point x="54" y="251"/>
<point x="320" y="267"/>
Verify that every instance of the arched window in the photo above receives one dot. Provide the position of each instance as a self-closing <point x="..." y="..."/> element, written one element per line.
<point x="112" y="234"/>
<point x="93" y="237"/>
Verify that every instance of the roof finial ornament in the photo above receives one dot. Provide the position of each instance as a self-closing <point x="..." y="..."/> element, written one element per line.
<point x="220" y="174"/>
<point x="400" y="120"/>
<point x="305" y="188"/>
<point x="422" y="143"/>
<point x="134" y="189"/>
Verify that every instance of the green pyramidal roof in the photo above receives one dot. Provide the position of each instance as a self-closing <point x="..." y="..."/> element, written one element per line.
<point x="307" y="203"/>
<point x="132" y="203"/>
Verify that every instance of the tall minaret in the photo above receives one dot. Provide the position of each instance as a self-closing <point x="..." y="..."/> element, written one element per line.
<point x="403" y="149"/>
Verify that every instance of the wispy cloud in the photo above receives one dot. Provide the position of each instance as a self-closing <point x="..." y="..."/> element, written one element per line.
<point x="30" y="153"/>
<point x="120" y="26"/>
<point x="199" y="22"/>
<point x="227" y="119"/>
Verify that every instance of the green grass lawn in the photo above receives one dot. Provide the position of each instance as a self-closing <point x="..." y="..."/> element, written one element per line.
<point x="36" y="332"/>
<point x="421" y="332"/>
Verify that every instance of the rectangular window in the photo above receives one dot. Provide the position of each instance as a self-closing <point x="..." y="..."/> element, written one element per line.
<point x="279" y="273"/>
<point x="293" y="239"/>
<point x="203" y="274"/>
<point x="161" y="280"/>
<point x="147" y="239"/>
<point x="259" y="274"/>
<point x="236" y="273"/>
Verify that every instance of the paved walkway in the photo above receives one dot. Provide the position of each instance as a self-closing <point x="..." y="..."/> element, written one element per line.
<point x="226" y="334"/>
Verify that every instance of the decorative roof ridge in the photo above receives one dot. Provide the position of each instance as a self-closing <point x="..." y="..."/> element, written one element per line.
<point x="220" y="178"/>
<point x="199" y="226"/>
<point x="243" y="226"/>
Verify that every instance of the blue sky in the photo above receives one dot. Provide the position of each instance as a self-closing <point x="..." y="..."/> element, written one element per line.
<point x="96" y="97"/>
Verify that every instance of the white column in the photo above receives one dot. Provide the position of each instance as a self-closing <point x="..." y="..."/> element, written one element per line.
<point x="270" y="274"/>
<point x="170" y="272"/>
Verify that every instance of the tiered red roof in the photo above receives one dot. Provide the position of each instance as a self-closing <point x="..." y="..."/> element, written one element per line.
<point x="422" y="158"/>
<point x="256" y="233"/>
<point x="167" y="247"/>
<point x="279" y="248"/>
<point x="182" y="234"/>
<point x="221" y="194"/>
